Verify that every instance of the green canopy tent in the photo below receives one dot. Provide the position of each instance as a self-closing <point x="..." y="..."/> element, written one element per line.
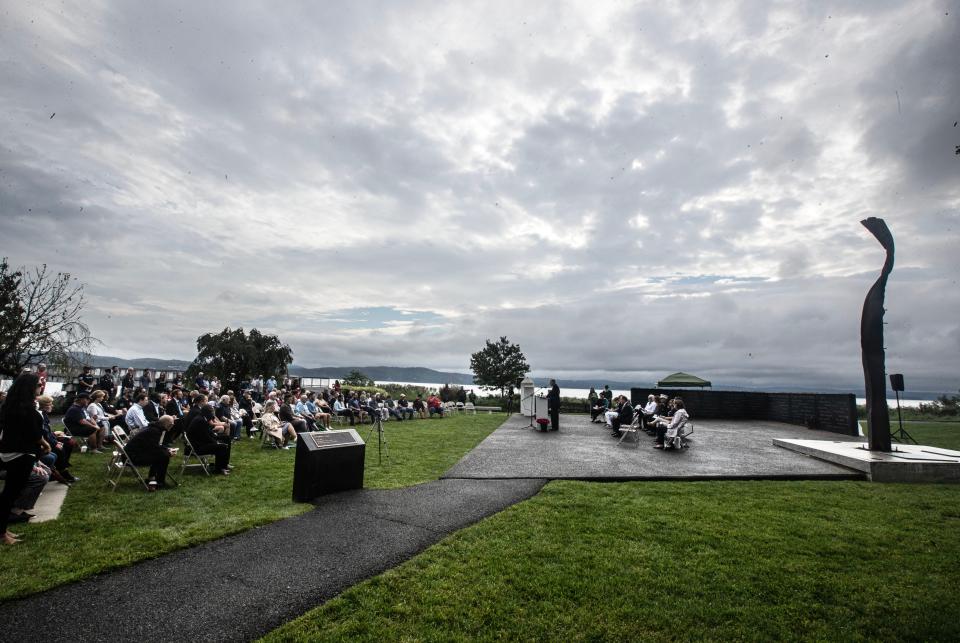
<point x="682" y="380"/>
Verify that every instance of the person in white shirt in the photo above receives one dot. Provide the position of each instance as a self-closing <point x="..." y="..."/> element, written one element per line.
<point x="97" y="413"/>
<point x="135" y="418"/>
<point x="648" y="412"/>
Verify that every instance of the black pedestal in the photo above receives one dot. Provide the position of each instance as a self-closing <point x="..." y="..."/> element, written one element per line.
<point x="327" y="461"/>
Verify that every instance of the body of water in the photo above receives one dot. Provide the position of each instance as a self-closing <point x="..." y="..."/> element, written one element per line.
<point x="583" y="392"/>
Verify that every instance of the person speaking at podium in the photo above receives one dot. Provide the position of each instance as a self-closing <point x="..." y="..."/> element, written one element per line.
<point x="553" y="405"/>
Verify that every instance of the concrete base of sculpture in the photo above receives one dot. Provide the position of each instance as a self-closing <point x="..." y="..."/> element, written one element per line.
<point x="906" y="463"/>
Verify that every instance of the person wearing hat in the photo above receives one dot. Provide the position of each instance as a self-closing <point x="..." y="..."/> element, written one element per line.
<point x="78" y="422"/>
<point x="404" y="408"/>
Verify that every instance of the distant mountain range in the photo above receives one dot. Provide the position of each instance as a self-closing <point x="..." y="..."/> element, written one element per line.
<point x="419" y="374"/>
<point x="414" y="374"/>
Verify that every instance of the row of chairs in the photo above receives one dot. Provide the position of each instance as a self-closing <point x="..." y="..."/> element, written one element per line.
<point x="635" y="428"/>
<point x="120" y="462"/>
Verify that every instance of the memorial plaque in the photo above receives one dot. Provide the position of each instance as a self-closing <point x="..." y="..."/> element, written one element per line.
<point x="327" y="461"/>
<point x="325" y="439"/>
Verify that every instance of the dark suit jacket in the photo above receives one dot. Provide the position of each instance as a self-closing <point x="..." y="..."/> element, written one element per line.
<point x="144" y="447"/>
<point x="200" y="432"/>
<point x="150" y="411"/>
<point x="553" y="397"/>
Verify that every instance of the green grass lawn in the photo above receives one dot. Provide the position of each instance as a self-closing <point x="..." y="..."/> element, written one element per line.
<point x="675" y="561"/>
<point x="945" y="435"/>
<point x="99" y="529"/>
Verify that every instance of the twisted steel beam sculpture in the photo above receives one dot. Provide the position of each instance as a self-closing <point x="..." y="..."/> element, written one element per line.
<point x="871" y="344"/>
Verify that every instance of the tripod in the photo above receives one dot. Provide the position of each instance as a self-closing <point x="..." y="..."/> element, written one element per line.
<point x="381" y="438"/>
<point x="900" y="435"/>
<point x="533" y="411"/>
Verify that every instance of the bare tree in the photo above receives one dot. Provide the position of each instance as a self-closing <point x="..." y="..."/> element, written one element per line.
<point x="40" y="319"/>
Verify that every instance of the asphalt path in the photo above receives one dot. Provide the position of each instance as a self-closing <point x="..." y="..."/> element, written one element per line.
<point x="243" y="586"/>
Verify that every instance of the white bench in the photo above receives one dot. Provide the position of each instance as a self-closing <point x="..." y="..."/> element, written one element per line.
<point x="488" y="409"/>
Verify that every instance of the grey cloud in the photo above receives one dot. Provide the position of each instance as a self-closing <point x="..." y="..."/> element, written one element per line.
<point x="261" y="165"/>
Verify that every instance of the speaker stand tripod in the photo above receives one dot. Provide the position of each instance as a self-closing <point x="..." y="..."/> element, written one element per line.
<point x="901" y="435"/>
<point x="382" y="445"/>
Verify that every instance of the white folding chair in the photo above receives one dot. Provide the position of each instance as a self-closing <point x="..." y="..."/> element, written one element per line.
<point x="678" y="439"/>
<point x="119" y="463"/>
<point x="631" y="429"/>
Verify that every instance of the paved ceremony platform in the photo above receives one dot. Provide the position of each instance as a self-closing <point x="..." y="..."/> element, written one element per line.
<point x="581" y="450"/>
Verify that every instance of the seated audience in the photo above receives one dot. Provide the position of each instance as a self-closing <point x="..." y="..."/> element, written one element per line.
<point x="80" y="425"/>
<point x="287" y="414"/>
<point x="247" y="413"/>
<point x="21" y="442"/>
<point x="320" y="409"/>
<point x="624" y="415"/>
<point x="404" y="408"/>
<point x="209" y="437"/>
<point x="358" y="411"/>
<point x="149" y="448"/>
<point x="435" y="406"/>
<point x="61" y="447"/>
<point x="600" y="406"/>
<point x="175" y="409"/>
<point x="135" y="418"/>
<point x="302" y="409"/>
<point x="341" y="409"/>
<point x="224" y="413"/>
<point x="649" y="411"/>
<point x="154" y="408"/>
<point x="612" y="413"/>
<point x="274" y="427"/>
<point x="27" y="500"/>
<point x="99" y="415"/>
<point x="420" y="407"/>
<point x="669" y="427"/>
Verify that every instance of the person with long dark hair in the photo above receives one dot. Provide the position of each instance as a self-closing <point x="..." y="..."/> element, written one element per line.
<point x="21" y="441"/>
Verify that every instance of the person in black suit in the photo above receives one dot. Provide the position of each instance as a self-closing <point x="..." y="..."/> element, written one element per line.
<point x="146" y="448"/>
<point x="205" y="441"/>
<point x="553" y="405"/>
<point x="174" y="409"/>
<point x="624" y="415"/>
<point x="153" y="409"/>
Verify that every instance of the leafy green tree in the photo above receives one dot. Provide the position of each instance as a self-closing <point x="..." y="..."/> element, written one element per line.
<point x="41" y="319"/>
<point x="357" y="378"/>
<point x="245" y="355"/>
<point x="499" y="365"/>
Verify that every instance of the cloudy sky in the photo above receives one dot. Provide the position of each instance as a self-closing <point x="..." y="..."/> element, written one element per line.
<point x="624" y="189"/>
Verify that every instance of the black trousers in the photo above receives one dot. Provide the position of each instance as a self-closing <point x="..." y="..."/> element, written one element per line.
<point x="348" y="413"/>
<point x="661" y="433"/>
<point x="220" y="452"/>
<point x="18" y="472"/>
<point x="554" y="418"/>
<point x="158" y="465"/>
